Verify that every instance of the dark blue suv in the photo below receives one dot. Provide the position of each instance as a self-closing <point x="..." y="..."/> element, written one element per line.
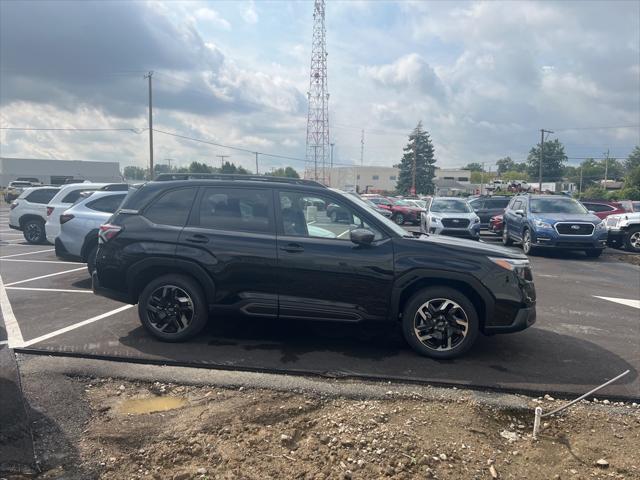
<point x="548" y="221"/>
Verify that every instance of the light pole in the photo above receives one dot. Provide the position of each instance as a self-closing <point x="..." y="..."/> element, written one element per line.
<point x="542" y="132"/>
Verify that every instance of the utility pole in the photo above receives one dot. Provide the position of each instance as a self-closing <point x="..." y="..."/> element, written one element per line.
<point x="580" y="187"/>
<point x="332" y="154"/>
<point x="222" y="157"/>
<point x="482" y="187"/>
<point x="149" y="75"/>
<point x="169" y="160"/>
<point x="606" y="168"/>
<point x="362" y="149"/>
<point x="542" y="132"/>
<point x="257" y="172"/>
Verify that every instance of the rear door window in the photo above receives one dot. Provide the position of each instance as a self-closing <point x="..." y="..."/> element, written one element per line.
<point x="106" y="204"/>
<point x="236" y="209"/>
<point x="41" y="196"/>
<point x="172" y="208"/>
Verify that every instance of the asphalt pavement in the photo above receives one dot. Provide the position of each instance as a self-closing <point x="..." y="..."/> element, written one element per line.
<point x="588" y="330"/>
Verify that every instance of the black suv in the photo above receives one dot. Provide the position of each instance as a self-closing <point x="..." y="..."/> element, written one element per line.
<point x="489" y="206"/>
<point x="259" y="246"/>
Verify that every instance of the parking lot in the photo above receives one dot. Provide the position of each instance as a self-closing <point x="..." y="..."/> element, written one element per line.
<point x="588" y="330"/>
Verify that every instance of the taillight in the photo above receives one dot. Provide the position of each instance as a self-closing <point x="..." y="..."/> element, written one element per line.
<point x="13" y="205"/>
<point x="64" y="218"/>
<point x="108" y="232"/>
<point x="49" y="211"/>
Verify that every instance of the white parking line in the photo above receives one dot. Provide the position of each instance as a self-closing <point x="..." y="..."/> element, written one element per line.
<point x="26" y="253"/>
<point x="44" y="276"/>
<point x="39" y="261"/>
<point x="55" y="333"/>
<point x="4" y="342"/>
<point x="35" y="289"/>
<point x="623" y="301"/>
<point x="14" y="335"/>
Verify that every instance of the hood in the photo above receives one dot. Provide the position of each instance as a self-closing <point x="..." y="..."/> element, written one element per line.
<point x="469" y="215"/>
<point x="475" y="246"/>
<point x="566" y="217"/>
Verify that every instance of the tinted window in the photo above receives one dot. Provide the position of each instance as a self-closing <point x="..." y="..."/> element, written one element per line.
<point x="598" y="207"/>
<point x="106" y="204"/>
<point x="300" y="217"/>
<point x="450" y="206"/>
<point x="75" y="194"/>
<point x="556" y="205"/>
<point x="172" y="208"/>
<point x="41" y="196"/>
<point x="375" y="177"/>
<point x="496" y="203"/>
<point x="476" y="204"/>
<point x="236" y="209"/>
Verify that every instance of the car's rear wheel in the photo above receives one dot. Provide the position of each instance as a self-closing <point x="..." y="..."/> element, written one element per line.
<point x="594" y="252"/>
<point x="632" y="240"/>
<point x="527" y="243"/>
<point x="399" y="218"/>
<point x="440" y="322"/>
<point x="33" y="231"/>
<point x="173" y="308"/>
<point x="506" y="239"/>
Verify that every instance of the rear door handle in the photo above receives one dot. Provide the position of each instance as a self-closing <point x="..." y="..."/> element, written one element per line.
<point x="292" y="248"/>
<point x="197" y="238"/>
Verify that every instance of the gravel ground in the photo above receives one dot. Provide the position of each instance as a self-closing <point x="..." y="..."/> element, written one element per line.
<point x="166" y="431"/>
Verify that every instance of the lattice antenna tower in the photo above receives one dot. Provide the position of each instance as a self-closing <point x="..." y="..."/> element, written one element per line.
<point x="318" y="96"/>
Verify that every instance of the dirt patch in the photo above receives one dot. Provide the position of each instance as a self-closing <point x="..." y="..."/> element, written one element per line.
<point x="258" y="434"/>
<point x="632" y="258"/>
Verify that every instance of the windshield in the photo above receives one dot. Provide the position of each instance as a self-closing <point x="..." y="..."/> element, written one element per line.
<point x="450" y="205"/>
<point x="381" y="218"/>
<point x="403" y="203"/>
<point x="556" y="205"/>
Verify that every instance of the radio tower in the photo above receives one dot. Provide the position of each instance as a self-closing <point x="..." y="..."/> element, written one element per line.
<point x="318" y="117"/>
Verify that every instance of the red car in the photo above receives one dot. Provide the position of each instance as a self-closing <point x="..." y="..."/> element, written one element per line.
<point x="603" y="208"/>
<point x="401" y="211"/>
<point x="495" y="224"/>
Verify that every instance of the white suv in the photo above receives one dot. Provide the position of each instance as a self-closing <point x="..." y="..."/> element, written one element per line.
<point x="29" y="212"/>
<point x="65" y="197"/>
<point x="624" y="229"/>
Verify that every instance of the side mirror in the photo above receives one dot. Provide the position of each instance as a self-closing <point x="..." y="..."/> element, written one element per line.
<point x="519" y="212"/>
<point x="362" y="236"/>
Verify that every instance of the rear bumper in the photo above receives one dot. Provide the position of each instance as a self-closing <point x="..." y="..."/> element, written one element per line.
<point x="107" y="292"/>
<point x="62" y="252"/>
<point x="524" y="319"/>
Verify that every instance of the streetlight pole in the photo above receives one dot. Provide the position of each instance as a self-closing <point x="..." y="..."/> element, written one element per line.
<point x="542" y="132"/>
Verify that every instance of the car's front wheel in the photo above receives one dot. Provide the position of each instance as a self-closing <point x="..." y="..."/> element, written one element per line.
<point x="506" y="239"/>
<point x="527" y="243"/>
<point x="33" y="231"/>
<point x="173" y="308"/>
<point x="440" y="322"/>
<point x="399" y="218"/>
<point x="632" y="240"/>
<point x="91" y="259"/>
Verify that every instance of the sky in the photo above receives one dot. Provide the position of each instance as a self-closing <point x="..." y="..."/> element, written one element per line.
<point x="483" y="77"/>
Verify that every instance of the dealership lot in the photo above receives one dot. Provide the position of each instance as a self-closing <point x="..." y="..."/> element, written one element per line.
<point x="588" y="330"/>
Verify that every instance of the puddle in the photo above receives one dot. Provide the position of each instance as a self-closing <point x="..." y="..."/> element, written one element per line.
<point x="149" y="405"/>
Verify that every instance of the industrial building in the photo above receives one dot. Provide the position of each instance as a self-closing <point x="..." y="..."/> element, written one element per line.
<point x="57" y="172"/>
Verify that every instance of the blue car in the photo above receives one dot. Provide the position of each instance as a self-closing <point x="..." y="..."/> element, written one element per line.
<point x="548" y="221"/>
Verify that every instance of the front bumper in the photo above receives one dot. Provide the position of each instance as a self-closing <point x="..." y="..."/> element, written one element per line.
<point x="523" y="319"/>
<point x="616" y="236"/>
<point x="550" y="239"/>
<point x="473" y="232"/>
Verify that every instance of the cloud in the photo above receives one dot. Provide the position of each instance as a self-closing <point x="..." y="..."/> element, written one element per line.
<point x="249" y="13"/>
<point x="213" y="17"/>
<point x="407" y="72"/>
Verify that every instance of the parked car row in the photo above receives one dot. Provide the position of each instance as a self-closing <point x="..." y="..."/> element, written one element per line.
<point x="401" y="210"/>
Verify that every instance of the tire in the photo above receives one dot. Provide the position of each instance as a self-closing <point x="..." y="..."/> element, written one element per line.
<point x="33" y="232"/>
<point x="398" y="218"/>
<point x="594" y="252"/>
<point x="506" y="239"/>
<point x="527" y="241"/>
<point x="430" y="301"/>
<point x="632" y="240"/>
<point x="91" y="259"/>
<point x="160" y="295"/>
<point x="334" y="216"/>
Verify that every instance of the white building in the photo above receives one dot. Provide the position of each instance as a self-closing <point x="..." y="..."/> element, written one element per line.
<point x="453" y="174"/>
<point x="363" y="179"/>
<point x="57" y="171"/>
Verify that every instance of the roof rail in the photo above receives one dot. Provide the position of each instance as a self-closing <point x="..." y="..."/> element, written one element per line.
<point x="163" y="177"/>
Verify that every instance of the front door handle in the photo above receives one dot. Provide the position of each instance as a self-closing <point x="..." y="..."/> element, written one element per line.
<point x="197" y="238"/>
<point x="292" y="248"/>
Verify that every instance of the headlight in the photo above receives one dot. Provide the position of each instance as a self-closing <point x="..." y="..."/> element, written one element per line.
<point x="476" y="220"/>
<point x="521" y="267"/>
<point x="601" y="226"/>
<point x="435" y="219"/>
<point x="541" y="224"/>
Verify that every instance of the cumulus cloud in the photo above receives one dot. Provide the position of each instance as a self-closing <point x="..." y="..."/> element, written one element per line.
<point x="211" y="16"/>
<point x="249" y="13"/>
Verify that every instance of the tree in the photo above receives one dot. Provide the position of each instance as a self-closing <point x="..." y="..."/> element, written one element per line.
<point x="478" y="177"/>
<point x="285" y="172"/>
<point x="196" y="167"/>
<point x="511" y="175"/>
<point x="505" y="164"/>
<point x="633" y="160"/>
<point x="474" y="167"/>
<point x="552" y="164"/>
<point x="231" y="168"/>
<point x="419" y="150"/>
<point x="134" y="173"/>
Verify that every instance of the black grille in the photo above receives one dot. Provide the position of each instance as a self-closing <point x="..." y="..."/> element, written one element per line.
<point x="574" y="228"/>
<point x="455" y="222"/>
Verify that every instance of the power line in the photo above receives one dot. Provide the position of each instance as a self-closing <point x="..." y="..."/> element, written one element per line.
<point x="30" y="129"/>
